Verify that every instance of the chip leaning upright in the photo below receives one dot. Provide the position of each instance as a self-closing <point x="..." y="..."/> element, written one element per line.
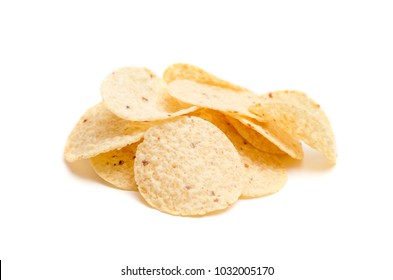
<point x="187" y="166"/>
<point x="301" y="117"/>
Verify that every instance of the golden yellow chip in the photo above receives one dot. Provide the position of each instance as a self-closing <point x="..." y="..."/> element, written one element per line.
<point x="182" y="71"/>
<point x="253" y="130"/>
<point x="253" y="137"/>
<point x="137" y="94"/>
<point x="187" y="166"/>
<point x="99" y="131"/>
<point x="117" y="167"/>
<point x="300" y="117"/>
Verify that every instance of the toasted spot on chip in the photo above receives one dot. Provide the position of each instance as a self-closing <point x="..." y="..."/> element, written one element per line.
<point x="302" y="118"/>
<point x="137" y="94"/>
<point x="273" y="137"/>
<point x="99" y="131"/>
<point x="182" y="71"/>
<point x="216" y="98"/>
<point x="211" y="166"/>
<point x="117" y="167"/>
<point x="263" y="173"/>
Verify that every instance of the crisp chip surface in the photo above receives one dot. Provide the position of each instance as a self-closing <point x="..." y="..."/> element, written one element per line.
<point x="183" y="71"/>
<point x="187" y="166"/>
<point x="256" y="139"/>
<point x="137" y="94"/>
<point x="215" y="98"/>
<point x="192" y="143"/>
<point x="263" y="174"/>
<point x="99" y="131"/>
<point x="117" y="167"/>
<point x="252" y="130"/>
<point x="300" y="117"/>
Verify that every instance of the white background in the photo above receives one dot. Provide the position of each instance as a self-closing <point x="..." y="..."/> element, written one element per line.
<point x="62" y="222"/>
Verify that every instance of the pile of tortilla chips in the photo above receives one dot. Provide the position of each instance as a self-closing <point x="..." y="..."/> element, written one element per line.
<point x="192" y="143"/>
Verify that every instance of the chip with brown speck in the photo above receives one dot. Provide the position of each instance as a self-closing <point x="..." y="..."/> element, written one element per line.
<point x="262" y="173"/>
<point x="147" y="93"/>
<point x="164" y="185"/>
<point x="117" y="167"/>
<point x="102" y="133"/>
<point x="302" y="118"/>
<point x="215" y="98"/>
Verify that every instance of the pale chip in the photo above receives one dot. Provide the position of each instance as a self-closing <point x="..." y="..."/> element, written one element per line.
<point x="187" y="166"/>
<point x="182" y="71"/>
<point x="117" y="167"/>
<point x="137" y="94"/>
<point x="252" y="131"/>
<point x="263" y="173"/>
<point x="300" y="117"/>
<point x="212" y="97"/>
<point x="99" y="131"/>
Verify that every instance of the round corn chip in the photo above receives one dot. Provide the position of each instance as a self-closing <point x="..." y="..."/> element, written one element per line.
<point x="117" y="167"/>
<point x="187" y="166"/>
<point x="300" y="117"/>
<point x="137" y="94"/>
<point x="216" y="98"/>
<point x="99" y="131"/>
<point x="182" y="71"/>
<point x="253" y="130"/>
<point x="263" y="173"/>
